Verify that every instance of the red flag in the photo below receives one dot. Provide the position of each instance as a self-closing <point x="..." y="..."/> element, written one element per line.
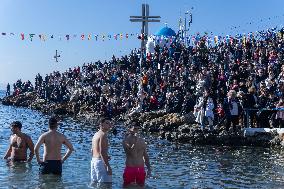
<point x="22" y="36"/>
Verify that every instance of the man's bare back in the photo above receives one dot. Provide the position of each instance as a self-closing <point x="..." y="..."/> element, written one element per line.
<point x="53" y="141"/>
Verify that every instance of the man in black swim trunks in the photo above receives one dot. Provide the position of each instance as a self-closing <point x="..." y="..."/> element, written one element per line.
<point x="19" y="144"/>
<point x="52" y="140"/>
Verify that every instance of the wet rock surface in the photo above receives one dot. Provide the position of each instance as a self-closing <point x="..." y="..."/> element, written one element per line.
<point x="183" y="129"/>
<point x="31" y="100"/>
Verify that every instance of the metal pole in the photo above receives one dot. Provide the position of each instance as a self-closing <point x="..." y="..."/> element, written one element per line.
<point x="147" y="18"/>
<point x="143" y="28"/>
<point x="185" y="29"/>
<point x="142" y="54"/>
<point x="185" y="24"/>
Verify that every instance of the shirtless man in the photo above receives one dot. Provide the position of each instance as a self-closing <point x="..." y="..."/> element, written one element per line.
<point x="19" y="144"/>
<point x="100" y="169"/>
<point x="136" y="156"/>
<point x="52" y="140"/>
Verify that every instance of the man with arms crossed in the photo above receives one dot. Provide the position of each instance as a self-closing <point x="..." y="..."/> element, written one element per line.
<point x="52" y="140"/>
<point x="100" y="169"/>
<point x="136" y="155"/>
<point x="19" y="144"/>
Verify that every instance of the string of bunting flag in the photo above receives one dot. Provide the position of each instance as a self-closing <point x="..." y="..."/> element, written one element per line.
<point x="241" y="38"/>
<point x="210" y="39"/>
<point x="67" y="37"/>
<point x="191" y="38"/>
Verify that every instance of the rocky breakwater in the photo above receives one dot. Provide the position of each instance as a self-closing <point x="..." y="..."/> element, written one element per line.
<point x="32" y="101"/>
<point x="22" y="100"/>
<point x="183" y="129"/>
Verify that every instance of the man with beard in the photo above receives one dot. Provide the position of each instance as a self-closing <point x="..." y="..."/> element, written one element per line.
<point x="19" y="144"/>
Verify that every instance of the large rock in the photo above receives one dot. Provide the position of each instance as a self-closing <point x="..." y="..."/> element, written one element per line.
<point x="183" y="129"/>
<point x="24" y="100"/>
<point x="38" y="104"/>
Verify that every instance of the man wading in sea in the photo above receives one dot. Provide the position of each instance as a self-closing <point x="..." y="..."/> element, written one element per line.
<point x="136" y="155"/>
<point x="52" y="140"/>
<point x="100" y="169"/>
<point x="19" y="144"/>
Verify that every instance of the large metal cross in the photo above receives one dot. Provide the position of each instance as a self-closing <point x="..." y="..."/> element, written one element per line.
<point x="145" y="19"/>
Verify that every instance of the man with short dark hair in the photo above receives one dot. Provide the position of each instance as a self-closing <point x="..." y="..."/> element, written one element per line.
<point x="52" y="140"/>
<point x="100" y="169"/>
<point x="136" y="156"/>
<point x="19" y="144"/>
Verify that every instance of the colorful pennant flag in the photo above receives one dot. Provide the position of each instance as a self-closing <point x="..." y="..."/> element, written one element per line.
<point x="22" y="36"/>
<point x="31" y="36"/>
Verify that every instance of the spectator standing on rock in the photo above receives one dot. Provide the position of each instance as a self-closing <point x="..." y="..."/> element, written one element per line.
<point x="8" y="91"/>
<point x="231" y="108"/>
<point x="203" y="110"/>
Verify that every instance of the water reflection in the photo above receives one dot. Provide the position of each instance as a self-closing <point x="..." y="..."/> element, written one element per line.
<point x="20" y="166"/>
<point x="50" y="181"/>
<point x="101" y="185"/>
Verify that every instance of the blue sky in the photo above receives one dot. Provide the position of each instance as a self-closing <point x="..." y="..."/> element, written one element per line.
<point x="24" y="59"/>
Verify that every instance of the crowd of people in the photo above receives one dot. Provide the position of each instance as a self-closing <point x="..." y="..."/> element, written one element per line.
<point x="240" y="80"/>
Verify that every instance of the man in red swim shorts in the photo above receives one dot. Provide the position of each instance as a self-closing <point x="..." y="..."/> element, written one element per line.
<point x="136" y="156"/>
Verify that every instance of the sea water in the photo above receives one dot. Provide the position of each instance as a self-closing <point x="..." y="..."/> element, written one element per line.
<point x="173" y="165"/>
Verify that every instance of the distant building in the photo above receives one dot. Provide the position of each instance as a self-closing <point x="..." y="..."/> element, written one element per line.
<point x="162" y="36"/>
